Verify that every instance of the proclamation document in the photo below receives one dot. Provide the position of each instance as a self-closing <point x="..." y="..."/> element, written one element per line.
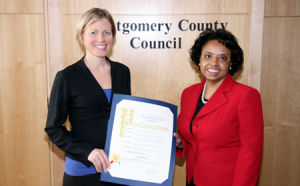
<point x="140" y="143"/>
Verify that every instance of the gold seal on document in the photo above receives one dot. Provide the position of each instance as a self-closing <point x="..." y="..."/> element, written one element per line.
<point x="116" y="157"/>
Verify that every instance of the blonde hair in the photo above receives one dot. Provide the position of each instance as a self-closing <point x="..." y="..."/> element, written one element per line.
<point x="96" y="14"/>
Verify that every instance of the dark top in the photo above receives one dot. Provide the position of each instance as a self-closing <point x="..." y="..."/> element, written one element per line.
<point x="198" y="108"/>
<point x="77" y="94"/>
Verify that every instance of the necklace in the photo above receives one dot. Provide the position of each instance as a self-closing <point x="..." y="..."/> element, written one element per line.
<point x="203" y="92"/>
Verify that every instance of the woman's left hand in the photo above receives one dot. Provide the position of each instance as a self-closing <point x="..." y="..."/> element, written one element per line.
<point x="178" y="141"/>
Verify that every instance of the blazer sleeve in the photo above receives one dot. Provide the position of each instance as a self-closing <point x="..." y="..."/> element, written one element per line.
<point x="181" y="152"/>
<point x="251" y="137"/>
<point x="57" y="116"/>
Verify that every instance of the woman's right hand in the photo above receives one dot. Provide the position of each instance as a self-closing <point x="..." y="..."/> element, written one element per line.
<point x="99" y="159"/>
<point x="178" y="141"/>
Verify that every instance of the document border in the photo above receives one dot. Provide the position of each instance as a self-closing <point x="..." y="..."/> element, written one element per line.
<point x="173" y="108"/>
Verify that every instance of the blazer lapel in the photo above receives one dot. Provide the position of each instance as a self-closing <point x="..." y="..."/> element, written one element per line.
<point x="218" y="98"/>
<point x="113" y="79"/>
<point x="194" y="97"/>
<point x="88" y="80"/>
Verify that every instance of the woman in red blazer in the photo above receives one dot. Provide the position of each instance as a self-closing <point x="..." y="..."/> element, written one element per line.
<point x="220" y="126"/>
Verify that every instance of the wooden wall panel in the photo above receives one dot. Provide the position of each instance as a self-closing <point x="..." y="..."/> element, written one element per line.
<point x="256" y="35"/>
<point x="71" y="48"/>
<point x="281" y="54"/>
<point x="280" y="160"/>
<point x="158" y="6"/>
<point x="21" y="6"/>
<point x="282" y="8"/>
<point x="280" y="89"/>
<point x="23" y="143"/>
<point x="266" y="168"/>
<point x="54" y="64"/>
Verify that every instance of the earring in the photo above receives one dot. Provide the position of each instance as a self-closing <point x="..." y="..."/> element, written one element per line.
<point x="229" y="68"/>
<point x="199" y="64"/>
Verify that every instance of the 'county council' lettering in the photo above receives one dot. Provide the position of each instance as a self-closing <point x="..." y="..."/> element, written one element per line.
<point x="176" y="43"/>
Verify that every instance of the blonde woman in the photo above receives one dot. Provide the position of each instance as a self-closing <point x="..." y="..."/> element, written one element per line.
<point x="83" y="92"/>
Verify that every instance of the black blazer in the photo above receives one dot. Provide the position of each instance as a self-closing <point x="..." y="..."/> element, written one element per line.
<point x="76" y="94"/>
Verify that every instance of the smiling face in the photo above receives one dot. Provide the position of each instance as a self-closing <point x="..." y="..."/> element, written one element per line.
<point x="215" y="61"/>
<point x="97" y="38"/>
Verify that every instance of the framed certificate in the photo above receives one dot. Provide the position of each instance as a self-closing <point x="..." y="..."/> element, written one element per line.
<point x="140" y="143"/>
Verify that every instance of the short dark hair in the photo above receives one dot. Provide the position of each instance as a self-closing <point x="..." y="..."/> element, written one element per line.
<point x="227" y="39"/>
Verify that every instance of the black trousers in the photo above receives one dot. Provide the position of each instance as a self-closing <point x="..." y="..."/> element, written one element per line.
<point x="88" y="180"/>
<point x="191" y="184"/>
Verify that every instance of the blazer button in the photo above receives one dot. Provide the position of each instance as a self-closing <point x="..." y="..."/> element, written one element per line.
<point x="108" y="110"/>
<point x="196" y="126"/>
<point x="195" y="155"/>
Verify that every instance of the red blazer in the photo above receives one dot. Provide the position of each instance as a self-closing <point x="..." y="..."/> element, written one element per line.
<point x="226" y="146"/>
